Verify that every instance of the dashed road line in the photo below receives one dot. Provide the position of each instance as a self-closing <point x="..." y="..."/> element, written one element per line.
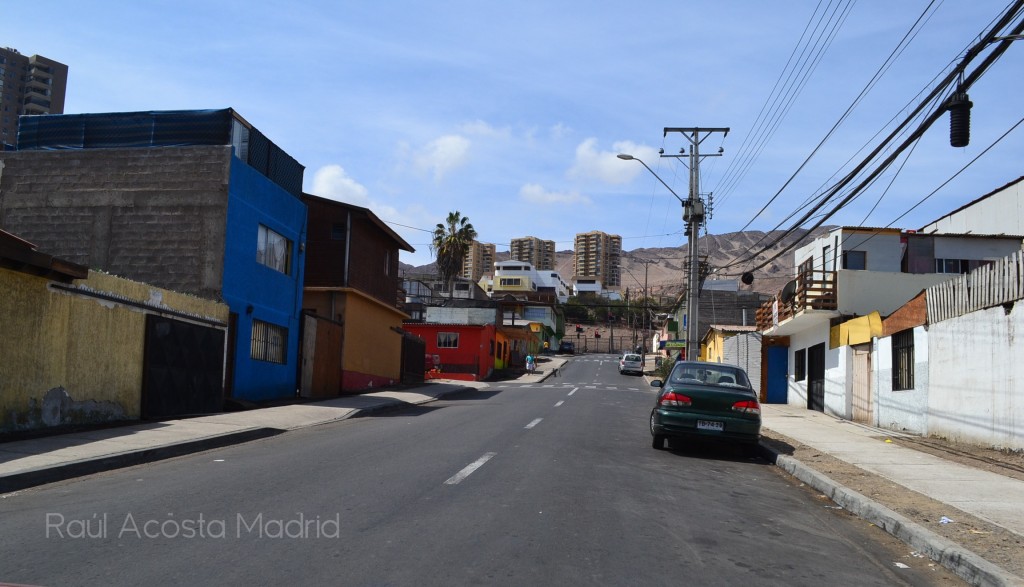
<point x="534" y="423"/>
<point x="559" y="403"/>
<point x="468" y="469"/>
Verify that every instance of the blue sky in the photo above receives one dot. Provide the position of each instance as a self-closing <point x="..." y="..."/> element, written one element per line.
<point x="512" y="113"/>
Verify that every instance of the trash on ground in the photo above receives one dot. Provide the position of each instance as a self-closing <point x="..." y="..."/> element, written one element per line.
<point x="902" y="566"/>
<point x="945" y="520"/>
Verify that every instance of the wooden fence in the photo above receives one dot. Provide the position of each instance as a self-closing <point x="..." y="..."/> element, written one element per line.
<point x="998" y="283"/>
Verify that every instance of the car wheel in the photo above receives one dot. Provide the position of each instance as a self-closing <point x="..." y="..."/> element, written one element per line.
<point x="657" y="440"/>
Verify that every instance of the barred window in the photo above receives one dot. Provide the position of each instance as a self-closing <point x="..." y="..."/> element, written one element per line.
<point x="800" y="365"/>
<point x="903" y="360"/>
<point x="273" y="250"/>
<point x="447" y="340"/>
<point x="269" y="342"/>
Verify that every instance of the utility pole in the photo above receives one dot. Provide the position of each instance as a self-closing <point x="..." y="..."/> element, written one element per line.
<point x="693" y="214"/>
<point x="643" y="348"/>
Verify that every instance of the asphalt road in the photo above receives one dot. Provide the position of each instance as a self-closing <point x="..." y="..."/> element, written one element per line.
<point x="554" y="483"/>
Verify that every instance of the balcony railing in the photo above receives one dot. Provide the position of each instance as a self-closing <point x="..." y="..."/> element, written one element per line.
<point x="814" y="290"/>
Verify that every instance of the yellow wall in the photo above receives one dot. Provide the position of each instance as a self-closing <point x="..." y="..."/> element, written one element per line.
<point x="90" y="348"/>
<point x="371" y="347"/>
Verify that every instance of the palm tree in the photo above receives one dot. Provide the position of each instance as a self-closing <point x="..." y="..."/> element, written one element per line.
<point x="450" y="245"/>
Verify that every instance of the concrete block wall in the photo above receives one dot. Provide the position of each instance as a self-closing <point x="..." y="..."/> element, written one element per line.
<point x="156" y="215"/>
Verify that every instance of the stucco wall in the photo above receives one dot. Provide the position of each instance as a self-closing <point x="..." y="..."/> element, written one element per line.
<point x="255" y="291"/>
<point x="901" y="410"/>
<point x="797" y="394"/>
<point x="863" y="292"/>
<point x="72" y="359"/>
<point x="976" y="393"/>
<point x="835" y="372"/>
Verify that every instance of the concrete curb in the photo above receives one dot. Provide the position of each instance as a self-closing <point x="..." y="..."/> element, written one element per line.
<point x="129" y="458"/>
<point x="966" y="564"/>
<point x="71" y="470"/>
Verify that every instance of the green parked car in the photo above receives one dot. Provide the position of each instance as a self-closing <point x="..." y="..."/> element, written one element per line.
<point x="706" y="401"/>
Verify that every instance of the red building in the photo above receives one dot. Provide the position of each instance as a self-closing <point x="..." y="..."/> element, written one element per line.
<point x="466" y="350"/>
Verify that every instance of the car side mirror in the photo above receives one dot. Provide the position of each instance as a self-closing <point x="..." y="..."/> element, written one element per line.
<point x="656" y="383"/>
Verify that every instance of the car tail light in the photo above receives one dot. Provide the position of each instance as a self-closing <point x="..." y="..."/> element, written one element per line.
<point x="747" y="407"/>
<point x="675" y="399"/>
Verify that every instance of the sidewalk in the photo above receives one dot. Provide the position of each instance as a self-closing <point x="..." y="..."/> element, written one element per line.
<point x="47" y="459"/>
<point x="988" y="496"/>
<point x="994" y="498"/>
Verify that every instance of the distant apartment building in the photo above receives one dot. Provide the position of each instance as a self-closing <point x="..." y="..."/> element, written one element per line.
<point x="532" y="250"/>
<point x="479" y="261"/>
<point x="28" y="85"/>
<point x="597" y="256"/>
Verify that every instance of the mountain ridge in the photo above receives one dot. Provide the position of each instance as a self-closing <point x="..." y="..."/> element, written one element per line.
<point x="664" y="268"/>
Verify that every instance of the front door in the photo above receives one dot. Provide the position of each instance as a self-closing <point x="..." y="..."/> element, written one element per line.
<point x="776" y="379"/>
<point x="816" y="377"/>
<point x="862" y="383"/>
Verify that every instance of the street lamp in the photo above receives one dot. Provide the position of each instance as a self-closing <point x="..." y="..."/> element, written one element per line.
<point x="691" y="306"/>
<point x="626" y="157"/>
<point x="693" y="214"/>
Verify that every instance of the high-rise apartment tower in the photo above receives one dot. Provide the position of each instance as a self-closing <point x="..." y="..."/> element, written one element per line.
<point x="479" y="260"/>
<point x="597" y="256"/>
<point x="530" y="249"/>
<point x="28" y="85"/>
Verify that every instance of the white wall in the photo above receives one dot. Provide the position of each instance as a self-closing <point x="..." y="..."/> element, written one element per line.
<point x="836" y="362"/>
<point x="900" y="410"/>
<point x="445" y="315"/>
<point x="883" y="250"/>
<point x="863" y="292"/>
<point x="1000" y="213"/>
<point x="976" y="390"/>
<point x="974" y="248"/>
<point x="835" y="372"/>
<point x="797" y="393"/>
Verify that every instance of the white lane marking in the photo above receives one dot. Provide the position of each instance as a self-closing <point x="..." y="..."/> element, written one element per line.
<point x="573" y="390"/>
<point x="534" y="423"/>
<point x="559" y="403"/>
<point x="468" y="470"/>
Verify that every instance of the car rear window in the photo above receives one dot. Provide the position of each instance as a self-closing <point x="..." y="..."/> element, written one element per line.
<point x="711" y="374"/>
<point x="632" y="357"/>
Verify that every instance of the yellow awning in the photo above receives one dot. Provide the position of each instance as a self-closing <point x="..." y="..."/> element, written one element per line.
<point x="856" y="331"/>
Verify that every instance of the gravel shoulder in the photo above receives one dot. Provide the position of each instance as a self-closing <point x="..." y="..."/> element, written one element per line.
<point x="997" y="545"/>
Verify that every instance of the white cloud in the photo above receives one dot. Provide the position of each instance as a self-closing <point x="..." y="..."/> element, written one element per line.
<point x="442" y="155"/>
<point x="483" y="129"/>
<point x="536" y="194"/>
<point x="559" y="131"/>
<point x="605" y="166"/>
<point x="332" y="182"/>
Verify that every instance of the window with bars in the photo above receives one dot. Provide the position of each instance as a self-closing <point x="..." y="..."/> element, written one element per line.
<point x="903" y="360"/>
<point x="269" y="342"/>
<point x="447" y="340"/>
<point x="273" y="250"/>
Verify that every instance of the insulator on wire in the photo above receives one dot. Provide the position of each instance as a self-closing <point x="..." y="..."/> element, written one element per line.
<point x="959" y="107"/>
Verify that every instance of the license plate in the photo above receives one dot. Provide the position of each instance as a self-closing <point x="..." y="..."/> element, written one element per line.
<point x="710" y="425"/>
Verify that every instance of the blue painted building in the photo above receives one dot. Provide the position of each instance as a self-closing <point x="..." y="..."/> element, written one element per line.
<point x="195" y="201"/>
